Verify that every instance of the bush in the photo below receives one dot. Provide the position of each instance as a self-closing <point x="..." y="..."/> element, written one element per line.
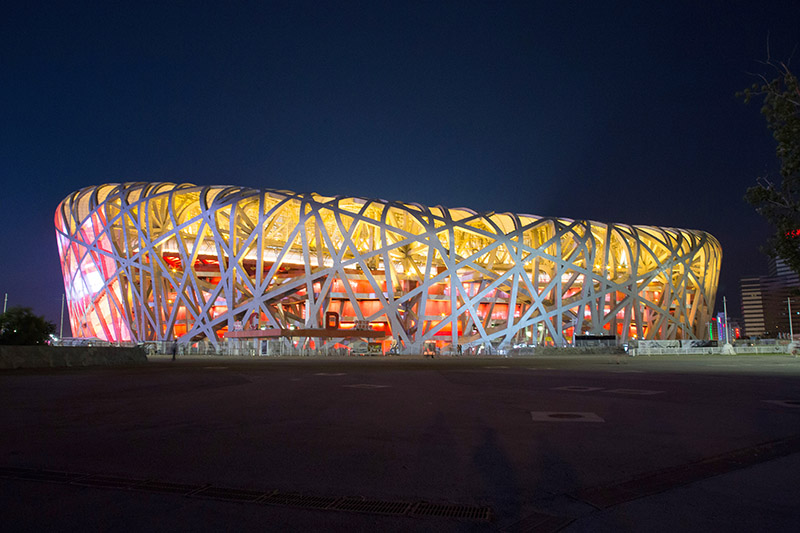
<point x="20" y="327"/>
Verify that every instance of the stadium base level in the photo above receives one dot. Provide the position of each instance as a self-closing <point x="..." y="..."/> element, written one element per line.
<point x="327" y="333"/>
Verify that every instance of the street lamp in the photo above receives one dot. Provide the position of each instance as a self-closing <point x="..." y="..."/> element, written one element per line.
<point x="61" y="328"/>
<point x="725" y="308"/>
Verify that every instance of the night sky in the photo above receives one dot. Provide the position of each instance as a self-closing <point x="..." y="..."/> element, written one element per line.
<point x="611" y="112"/>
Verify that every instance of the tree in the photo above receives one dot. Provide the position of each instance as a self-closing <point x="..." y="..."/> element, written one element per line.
<point x="19" y="326"/>
<point x="779" y="203"/>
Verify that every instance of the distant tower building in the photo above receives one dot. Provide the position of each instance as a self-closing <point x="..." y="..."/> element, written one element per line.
<point x="779" y="269"/>
<point x="764" y="300"/>
<point x="752" y="307"/>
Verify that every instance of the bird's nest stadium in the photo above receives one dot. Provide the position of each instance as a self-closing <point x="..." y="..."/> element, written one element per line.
<point x="164" y="261"/>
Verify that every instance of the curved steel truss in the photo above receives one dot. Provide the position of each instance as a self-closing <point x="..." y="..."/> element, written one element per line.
<point x="156" y="261"/>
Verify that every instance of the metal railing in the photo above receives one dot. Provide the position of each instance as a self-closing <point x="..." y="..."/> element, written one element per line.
<point x="718" y="350"/>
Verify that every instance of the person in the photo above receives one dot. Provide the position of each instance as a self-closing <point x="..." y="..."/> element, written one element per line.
<point x="174" y="349"/>
<point x="458" y="349"/>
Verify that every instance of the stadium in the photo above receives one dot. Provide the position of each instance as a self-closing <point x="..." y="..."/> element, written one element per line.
<point x="164" y="261"/>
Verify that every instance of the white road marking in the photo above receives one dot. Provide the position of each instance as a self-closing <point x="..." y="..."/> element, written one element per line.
<point x="640" y="392"/>
<point x="366" y="386"/>
<point x="498" y="366"/>
<point x="627" y="371"/>
<point x="557" y="416"/>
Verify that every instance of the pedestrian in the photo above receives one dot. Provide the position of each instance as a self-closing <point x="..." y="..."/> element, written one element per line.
<point x="174" y="349"/>
<point x="458" y="349"/>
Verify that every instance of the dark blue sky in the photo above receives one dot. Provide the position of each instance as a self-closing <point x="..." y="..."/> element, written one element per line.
<point x="615" y="112"/>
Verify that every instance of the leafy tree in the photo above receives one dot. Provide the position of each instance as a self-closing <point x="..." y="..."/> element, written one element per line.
<point x="19" y="326"/>
<point x="779" y="203"/>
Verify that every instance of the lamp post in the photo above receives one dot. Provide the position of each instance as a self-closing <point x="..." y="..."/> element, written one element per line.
<point x="791" y="330"/>
<point x="725" y="308"/>
<point x="61" y="327"/>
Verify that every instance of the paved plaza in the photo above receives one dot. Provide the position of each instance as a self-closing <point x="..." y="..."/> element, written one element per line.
<point x="593" y="443"/>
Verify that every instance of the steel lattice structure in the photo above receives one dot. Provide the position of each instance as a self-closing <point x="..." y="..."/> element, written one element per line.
<point x="157" y="261"/>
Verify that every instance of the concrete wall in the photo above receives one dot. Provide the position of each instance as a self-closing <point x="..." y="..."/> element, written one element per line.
<point x="66" y="356"/>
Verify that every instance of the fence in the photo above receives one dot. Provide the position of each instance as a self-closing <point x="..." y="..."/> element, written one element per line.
<point x="718" y="350"/>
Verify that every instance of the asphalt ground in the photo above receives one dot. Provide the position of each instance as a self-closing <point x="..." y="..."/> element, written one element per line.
<point x="594" y="443"/>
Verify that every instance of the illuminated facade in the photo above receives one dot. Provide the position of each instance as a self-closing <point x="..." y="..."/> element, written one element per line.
<point x="158" y="261"/>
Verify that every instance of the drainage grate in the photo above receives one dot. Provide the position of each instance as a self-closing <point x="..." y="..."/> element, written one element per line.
<point x="51" y="476"/>
<point x="295" y="499"/>
<point x="784" y="403"/>
<point x="640" y="392"/>
<point x="469" y="512"/>
<point x="554" y="416"/>
<point x="373" y="506"/>
<point x="10" y="471"/>
<point x="108" y="482"/>
<point x="659" y="481"/>
<point x="228" y="494"/>
<point x="168" y="488"/>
